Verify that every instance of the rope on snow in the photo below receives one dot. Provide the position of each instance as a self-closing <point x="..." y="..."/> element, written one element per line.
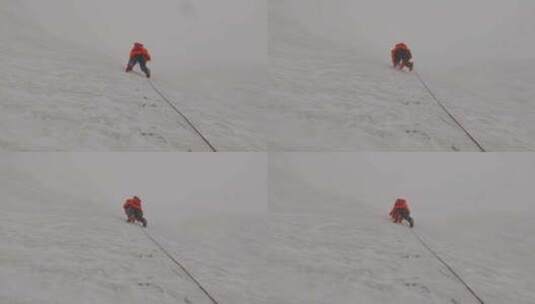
<point x="441" y="105"/>
<point x="184" y="269"/>
<point x="457" y="276"/>
<point x="175" y="108"/>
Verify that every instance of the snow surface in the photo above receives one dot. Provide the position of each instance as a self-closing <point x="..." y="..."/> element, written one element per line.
<point x="64" y="239"/>
<point x="266" y="75"/>
<point x="63" y="87"/>
<point x="323" y="238"/>
<point x="333" y="89"/>
<point x="333" y="243"/>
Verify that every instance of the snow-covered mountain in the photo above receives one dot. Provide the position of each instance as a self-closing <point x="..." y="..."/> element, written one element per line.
<point x="332" y="242"/>
<point x="325" y="238"/>
<point x="333" y="88"/>
<point x="278" y="75"/>
<point x="64" y="238"/>
<point x="62" y="85"/>
<point x="257" y="75"/>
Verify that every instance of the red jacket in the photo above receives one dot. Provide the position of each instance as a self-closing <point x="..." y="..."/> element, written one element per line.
<point x="134" y="202"/>
<point x="401" y="47"/>
<point x="139" y="49"/>
<point x="400" y="204"/>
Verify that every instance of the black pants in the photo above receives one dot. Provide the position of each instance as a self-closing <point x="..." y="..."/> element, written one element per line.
<point x="136" y="214"/>
<point x="404" y="214"/>
<point x="142" y="63"/>
<point x="402" y="57"/>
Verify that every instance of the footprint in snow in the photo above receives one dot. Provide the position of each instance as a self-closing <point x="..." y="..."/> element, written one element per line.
<point x="143" y="255"/>
<point x="421" y="287"/>
<point x="156" y="138"/>
<point x="411" y="102"/>
<point x="150" y="105"/>
<point x="150" y="285"/>
<point x="418" y="133"/>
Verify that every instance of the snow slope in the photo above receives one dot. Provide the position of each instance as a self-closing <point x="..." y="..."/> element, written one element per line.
<point x="331" y="240"/>
<point x="333" y="88"/>
<point x="60" y="249"/>
<point x="495" y="100"/>
<point x="227" y="254"/>
<point x="326" y="85"/>
<point x="64" y="240"/>
<point x="63" y="86"/>
<point x="326" y="238"/>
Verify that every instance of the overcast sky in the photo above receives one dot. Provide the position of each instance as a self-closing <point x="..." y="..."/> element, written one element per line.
<point x="172" y="185"/>
<point x="186" y="184"/>
<point x="179" y="33"/>
<point x="441" y="33"/>
<point x="434" y="183"/>
<point x="187" y="33"/>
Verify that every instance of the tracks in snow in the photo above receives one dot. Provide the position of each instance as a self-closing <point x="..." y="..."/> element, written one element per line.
<point x="443" y="107"/>
<point x="181" y="114"/>
<point x="450" y="268"/>
<point x="182" y="267"/>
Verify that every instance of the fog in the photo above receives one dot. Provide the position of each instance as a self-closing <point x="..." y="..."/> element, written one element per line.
<point x="171" y="185"/>
<point x="182" y="34"/>
<point x="436" y="184"/>
<point x="442" y="34"/>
